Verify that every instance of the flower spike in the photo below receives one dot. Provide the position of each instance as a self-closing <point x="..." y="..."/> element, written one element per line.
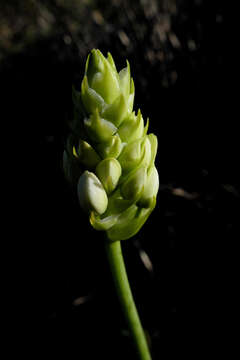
<point x="112" y="145"/>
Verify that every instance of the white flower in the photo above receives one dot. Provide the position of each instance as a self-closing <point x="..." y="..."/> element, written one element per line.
<point x="91" y="194"/>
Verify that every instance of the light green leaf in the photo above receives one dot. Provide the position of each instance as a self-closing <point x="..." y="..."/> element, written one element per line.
<point x="132" y="128"/>
<point x="124" y="80"/>
<point x="105" y="82"/>
<point x="110" y="148"/>
<point x="111" y="61"/>
<point x="87" y="155"/>
<point x="90" y="98"/>
<point x="109" y="171"/>
<point x="133" y="186"/>
<point x="130" y="222"/>
<point x="99" y="129"/>
<point x="154" y="145"/>
<point x="117" y="111"/>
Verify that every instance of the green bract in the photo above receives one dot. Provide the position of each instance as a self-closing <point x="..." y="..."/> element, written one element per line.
<point x="109" y="156"/>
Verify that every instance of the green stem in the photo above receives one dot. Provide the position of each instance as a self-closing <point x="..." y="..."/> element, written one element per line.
<point x="115" y="258"/>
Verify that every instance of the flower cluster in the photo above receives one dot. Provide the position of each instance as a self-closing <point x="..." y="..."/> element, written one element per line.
<point x="109" y="156"/>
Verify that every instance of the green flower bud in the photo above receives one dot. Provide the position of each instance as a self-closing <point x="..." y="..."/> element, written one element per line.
<point x="86" y="154"/>
<point x="134" y="153"/>
<point x="109" y="171"/>
<point x="90" y="98"/>
<point x="150" y="188"/>
<point x="117" y="111"/>
<point x="106" y="89"/>
<point x="132" y="128"/>
<point x="131" y="155"/>
<point x="111" y="148"/>
<point x="91" y="194"/>
<point x="131" y="97"/>
<point x="147" y="152"/>
<point x="133" y="186"/>
<point x="101" y="76"/>
<point x="124" y="225"/>
<point x="129" y="222"/>
<point x="111" y="62"/>
<point x="154" y="145"/>
<point x="99" y="129"/>
<point x="124" y="80"/>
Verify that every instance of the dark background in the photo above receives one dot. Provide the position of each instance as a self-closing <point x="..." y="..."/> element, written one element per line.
<point x="179" y="64"/>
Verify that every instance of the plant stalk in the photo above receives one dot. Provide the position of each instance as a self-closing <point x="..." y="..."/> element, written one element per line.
<point x="116" y="261"/>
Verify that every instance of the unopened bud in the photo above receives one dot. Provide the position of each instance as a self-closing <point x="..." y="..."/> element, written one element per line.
<point x="99" y="129"/>
<point x="117" y="111"/>
<point x="124" y="80"/>
<point x="102" y="78"/>
<point x="138" y="151"/>
<point x="90" y="98"/>
<point x="154" y="145"/>
<point x="110" y="148"/>
<point x="109" y="172"/>
<point x="133" y="186"/>
<point x="86" y="155"/>
<point x="147" y="152"/>
<point x="91" y="194"/>
<point x="150" y="188"/>
<point x="132" y="128"/>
